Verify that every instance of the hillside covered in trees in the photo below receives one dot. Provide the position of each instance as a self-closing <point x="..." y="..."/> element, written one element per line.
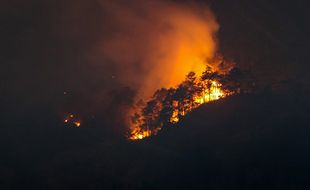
<point x="168" y="106"/>
<point x="240" y="142"/>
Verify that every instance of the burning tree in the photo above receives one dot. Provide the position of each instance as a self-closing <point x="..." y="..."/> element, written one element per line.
<point x="168" y="106"/>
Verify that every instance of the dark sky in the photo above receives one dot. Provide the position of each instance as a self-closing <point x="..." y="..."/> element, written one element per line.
<point x="272" y="36"/>
<point x="46" y="47"/>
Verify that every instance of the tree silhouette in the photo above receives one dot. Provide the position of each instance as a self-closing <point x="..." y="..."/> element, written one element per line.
<point x="207" y="81"/>
<point x="232" y="81"/>
<point x="169" y="105"/>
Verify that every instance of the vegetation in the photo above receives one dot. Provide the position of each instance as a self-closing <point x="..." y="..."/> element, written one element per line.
<point x="168" y="106"/>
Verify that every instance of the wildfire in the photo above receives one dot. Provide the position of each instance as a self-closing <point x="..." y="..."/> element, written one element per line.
<point x="140" y="134"/>
<point x="168" y="106"/>
<point x="215" y="93"/>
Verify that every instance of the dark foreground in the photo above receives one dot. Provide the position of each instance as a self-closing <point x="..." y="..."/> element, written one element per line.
<point x="244" y="142"/>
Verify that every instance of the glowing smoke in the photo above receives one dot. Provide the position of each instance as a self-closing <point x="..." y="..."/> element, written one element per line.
<point x="154" y="44"/>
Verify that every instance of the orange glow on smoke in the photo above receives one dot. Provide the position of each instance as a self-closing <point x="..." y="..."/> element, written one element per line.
<point x="179" y="51"/>
<point x="160" y="48"/>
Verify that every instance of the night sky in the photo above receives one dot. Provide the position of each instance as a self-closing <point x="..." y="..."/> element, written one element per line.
<point x="49" y="47"/>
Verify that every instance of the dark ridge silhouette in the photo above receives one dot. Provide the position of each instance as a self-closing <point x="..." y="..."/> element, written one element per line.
<point x="244" y="142"/>
<point x="241" y="142"/>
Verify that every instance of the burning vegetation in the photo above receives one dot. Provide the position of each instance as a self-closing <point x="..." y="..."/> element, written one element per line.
<point x="168" y="106"/>
<point x="72" y="121"/>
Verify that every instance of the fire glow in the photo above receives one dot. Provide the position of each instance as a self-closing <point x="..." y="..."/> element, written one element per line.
<point x="71" y="120"/>
<point x="168" y="106"/>
<point x="213" y="93"/>
<point x="154" y="53"/>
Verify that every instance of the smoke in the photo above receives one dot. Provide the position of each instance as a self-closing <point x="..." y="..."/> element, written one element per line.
<point x="75" y="55"/>
<point x="154" y="44"/>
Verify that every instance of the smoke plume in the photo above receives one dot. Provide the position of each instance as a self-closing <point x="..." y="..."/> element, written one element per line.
<point x="154" y="44"/>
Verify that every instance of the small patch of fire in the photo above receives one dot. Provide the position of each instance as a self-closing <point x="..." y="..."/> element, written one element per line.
<point x="72" y="121"/>
<point x="168" y="106"/>
<point x="140" y="134"/>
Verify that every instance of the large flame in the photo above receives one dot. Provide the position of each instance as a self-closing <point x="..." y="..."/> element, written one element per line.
<point x="154" y="44"/>
<point x="210" y="89"/>
<point x="213" y="93"/>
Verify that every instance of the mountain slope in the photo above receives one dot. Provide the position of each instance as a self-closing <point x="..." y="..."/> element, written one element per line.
<point x="241" y="142"/>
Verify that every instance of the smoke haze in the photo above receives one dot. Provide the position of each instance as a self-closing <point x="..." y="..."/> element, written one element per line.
<point x="154" y="44"/>
<point x="93" y="49"/>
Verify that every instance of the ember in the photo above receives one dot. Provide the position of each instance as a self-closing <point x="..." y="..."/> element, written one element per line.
<point x="72" y="121"/>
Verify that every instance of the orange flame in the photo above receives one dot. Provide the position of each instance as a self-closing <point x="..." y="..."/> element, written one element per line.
<point x="213" y="93"/>
<point x="72" y="120"/>
<point x="210" y="90"/>
<point x="139" y="134"/>
<point x="77" y="123"/>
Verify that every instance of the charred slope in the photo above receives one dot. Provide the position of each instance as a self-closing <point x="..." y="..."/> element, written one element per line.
<point x="241" y="142"/>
